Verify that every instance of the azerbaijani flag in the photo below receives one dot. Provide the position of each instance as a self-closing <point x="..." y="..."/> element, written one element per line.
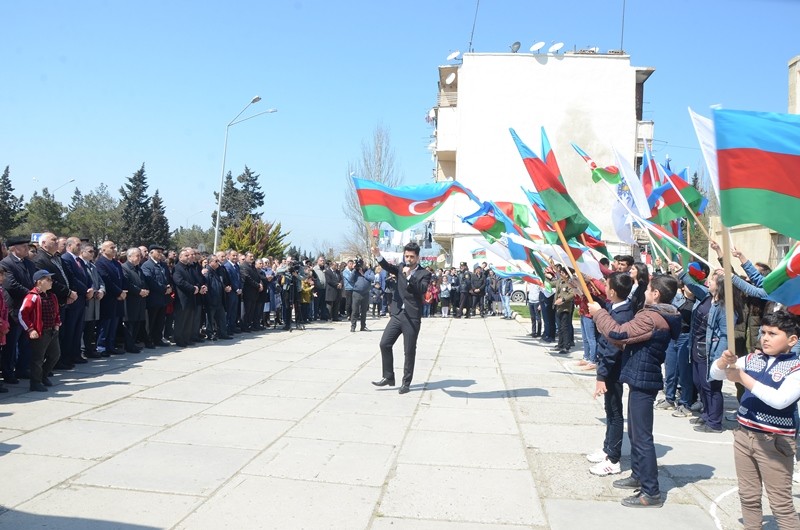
<point x="783" y="284"/>
<point x="404" y="206"/>
<point x="557" y="201"/>
<point x="609" y="173"/>
<point x="652" y="174"/>
<point x="666" y="205"/>
<point x="758" y="154"/>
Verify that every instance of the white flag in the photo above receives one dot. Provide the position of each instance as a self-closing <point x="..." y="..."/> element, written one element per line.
<point x="704" y="129"/>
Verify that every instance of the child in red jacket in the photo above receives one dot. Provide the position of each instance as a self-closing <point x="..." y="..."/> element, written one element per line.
<point x="40" y="319"/>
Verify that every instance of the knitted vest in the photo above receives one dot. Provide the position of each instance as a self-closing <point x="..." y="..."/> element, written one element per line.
<point x="756" y="415"/>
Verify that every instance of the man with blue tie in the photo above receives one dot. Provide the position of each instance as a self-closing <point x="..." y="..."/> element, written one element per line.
<point x="233" y="301"/>
<point x="72" y="328"/>
<point x="405" y="314"/>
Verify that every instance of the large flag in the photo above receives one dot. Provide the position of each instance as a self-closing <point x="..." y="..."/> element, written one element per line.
<point x="704" y="129"/>
<point x="652" y="174"/>
<point x="592" y="237"/>
<point x="783" y="284"/>
<point x="404" y="206"/>
<point x="667" y="205"/>
<point x="558" y="203"/>
<point x="759" y="162"/>
<point x="609" y="173"/>
<point x="632" y="198"/>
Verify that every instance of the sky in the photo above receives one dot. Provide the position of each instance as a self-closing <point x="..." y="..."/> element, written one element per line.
<point x="91" y="90"/>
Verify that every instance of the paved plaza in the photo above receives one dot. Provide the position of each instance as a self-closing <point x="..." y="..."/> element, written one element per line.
<point x="284" y="430"/>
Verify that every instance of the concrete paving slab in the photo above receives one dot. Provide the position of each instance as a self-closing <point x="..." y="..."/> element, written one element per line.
<point x="292" y="389"/>
<point x="462" y="494"/>
<point x="395" y="523"/>
<point x="547" y="412"/>
<point x="313" y="374"/>
<point x="6" y="434"/>
<point x="93" y="392"/>
<point x="65" y="508"/>
<point x="225" y="431"/>
<point x="325" y="461"/>
<point x="32" y="475"/>
<point x="225" y="376"/>
<point x="480" y="450"/>
<point x="272" y="503"/>
<point x="259" y="364"/>
<point x="32" y="411"/>
<point x="180" y="390"/>
<point x="381" y="403"/>
<point x="270" y="407"/>
<point x="140" y="411"/>
<point x="368" y="428"/>
<point x="468" y="420"/>
<point x="168" y="468"/>
<point x="571" y="514"/>
<point x="90" y="440"/>
<point x="143" y="377"/>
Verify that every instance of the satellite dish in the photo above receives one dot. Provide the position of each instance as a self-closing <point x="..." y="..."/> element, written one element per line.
<point x="537" y="46"/>
<point x="431" y="114"/>
<point x="515" y="47"/>
<point x="450" y="78"/>
<point x="441" y="258"/>
<point x="453" y="56"/>
<point x="555" y="47"/>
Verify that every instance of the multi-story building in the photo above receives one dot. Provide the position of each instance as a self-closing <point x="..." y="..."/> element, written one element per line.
<point x="590" y="98"/>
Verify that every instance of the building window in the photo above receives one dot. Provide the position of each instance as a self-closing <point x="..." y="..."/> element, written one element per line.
<point x="782" y="246"/>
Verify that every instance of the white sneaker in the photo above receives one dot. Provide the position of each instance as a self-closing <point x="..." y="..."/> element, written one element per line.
<point x="605" y="468"/>
<point x="796" y="477"/>
<point x="597" y="457"/>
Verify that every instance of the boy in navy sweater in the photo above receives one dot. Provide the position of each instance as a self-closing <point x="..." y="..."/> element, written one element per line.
<point x="609" y="364"/>
<point x="764" y="444"/>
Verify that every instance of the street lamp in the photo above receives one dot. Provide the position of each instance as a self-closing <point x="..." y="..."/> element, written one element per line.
<point x="225" y="152"/>
<point x="70" y="181"/>
<point x="190" y="216"/>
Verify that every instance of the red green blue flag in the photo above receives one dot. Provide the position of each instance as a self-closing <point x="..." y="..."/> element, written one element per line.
<point x="557" y="201"/>
<point x="652" y="173"/>
<point x="666" y="205"/>
<point x="404" y="206"/>
<point x="783" y="283"/>
<point x="609" y="173"/>
<point x="758" y="154"/>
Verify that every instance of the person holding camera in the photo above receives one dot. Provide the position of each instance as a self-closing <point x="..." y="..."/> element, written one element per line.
<point x="359" y="286"/>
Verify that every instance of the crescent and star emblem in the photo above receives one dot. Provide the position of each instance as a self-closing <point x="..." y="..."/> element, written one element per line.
<point x="421" y="207"/>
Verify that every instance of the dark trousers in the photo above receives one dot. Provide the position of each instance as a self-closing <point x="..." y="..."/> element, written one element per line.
<point x="169" y="324"/>
<point x="217" y="322"/>
<point x="184" y="317"/>
<point x="333" y="310"/>
<point x="320" y="308"/>
<point x="536" y="319"/>
<point x="252" y="317"/>
<point x="710" y="395"/>
<point x="477" y="304"/>
<point x="615" y="422"/>
<point x="9" y="352"/>
<point x="359" y="308"/>
<point x="45" y="352"/>
<point x="409" y="328"/>
<point x="132" y="333"/>
<point x="348" y="303"/>
<point x="198" y="317"/>
<point x="231" y="310"/>
<point x="90" y="337"/>
<point x="640" y="432"/>
<point x="155" y="324"/>
<point x="564" y="327"/>
<point x="465" y="302"/>
<point x="678" y="371"/>
<point x="548" y="319"/>
<point x="107" y="334"/>
<point x="72" y="330"/>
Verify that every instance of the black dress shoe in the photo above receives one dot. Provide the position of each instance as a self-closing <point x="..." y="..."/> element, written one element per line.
<point x="104" y="354"/>
<point x="116" y="352"/>
<point x="64" y="366"/>
<point x="94" y="355"/>
<point x="352" y="329"/>
<point x="384" y="382"/>
<point x="46" y="381"/>
<point x="161" y="344"/>
<point x="38" y="387"/>
<point x="11" y="380"/>
<point x="364" y="328"/>
<point x="135" y="349"/>
<point x="150" y="346"/>
<point x="80" y="360"/>
<point x="404" y="390"/>
<point x="3" y="389"/>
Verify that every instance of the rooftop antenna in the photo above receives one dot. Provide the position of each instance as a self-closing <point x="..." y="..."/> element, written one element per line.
<point x="474" y="21"/>
<point x="555" y="47"/>
<point x="515" y="47"/>
<point x="622" y="31"/>
<point x="537" y="46"/>
<point x="453" y="56"/>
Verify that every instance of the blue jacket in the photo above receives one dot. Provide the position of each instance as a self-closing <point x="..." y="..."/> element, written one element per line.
<point x="158" y="279"/>
<point x="609" y="356"/>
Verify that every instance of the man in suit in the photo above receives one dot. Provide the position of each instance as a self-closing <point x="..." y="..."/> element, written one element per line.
<point x="185" y="301"/>
<point x="251" y="288"/>
<point x="405" y="314"/>
<point x="136" y="301"/>
<point x="112" y="305"/>
<point x="234" y="298"/>
<point x="92" y="311"/>
<point x="72" y="326"/>
<point x="15" y="354"/>
<point x="156" y="274"/>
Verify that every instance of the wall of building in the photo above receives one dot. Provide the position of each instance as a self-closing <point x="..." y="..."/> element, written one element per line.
<point x="794" y="85"/>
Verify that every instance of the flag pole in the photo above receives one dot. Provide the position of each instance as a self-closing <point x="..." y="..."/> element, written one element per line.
<point x="728" y="285"/>
<point x="578" y="272"/>
<point x="689" y="208"/>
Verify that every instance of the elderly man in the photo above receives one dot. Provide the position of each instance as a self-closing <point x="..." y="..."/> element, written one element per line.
<point x="216" y="325"/>
<point x="91" y="314"/>
<point x="156" y="274"/>
<point x="234" y="299"/>
<point x="15" y="354"/>
<point x="252" y="287"/>
<point x="136" y="301"/>
<point x="112" y="306"/>
<point x="185" y="301"/>
<point x="72" y="325"/>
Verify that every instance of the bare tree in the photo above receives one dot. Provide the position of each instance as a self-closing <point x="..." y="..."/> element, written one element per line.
<point x="377" y="163"/>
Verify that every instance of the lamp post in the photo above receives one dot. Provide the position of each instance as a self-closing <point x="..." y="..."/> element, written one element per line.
<point x="70" y="181"/>
<point x="190" y="216"/>
<point x="224" y="154"/>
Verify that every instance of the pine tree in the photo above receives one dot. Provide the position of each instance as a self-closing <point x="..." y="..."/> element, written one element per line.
<point x="159" y="225"/>
<point x="94" y="216"/>
<point x="252" y="196"/>
<point x="44" y="214"/>
<point x="231" y="207"/>
<point x="135" y="210"/>
<point x="12" y="212"/>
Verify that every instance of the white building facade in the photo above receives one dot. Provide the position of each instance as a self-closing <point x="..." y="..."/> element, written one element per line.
<point x="592" y="99"/>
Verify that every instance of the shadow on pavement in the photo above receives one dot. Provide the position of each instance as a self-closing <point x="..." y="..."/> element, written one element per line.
<point x="495" y="394"/>
<point x="21" y="520"/>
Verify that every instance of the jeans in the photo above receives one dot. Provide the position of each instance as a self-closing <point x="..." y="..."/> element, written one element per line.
<point x="548" y="318"/>
<point x="426" y="310"/>
<point x="564" y="319"/>
<point x="536" y="318"/>
<point x="506" y="300"/>
<point x="640" y="432"/>
<point x="678" y="371"/>
<point x="589" y="334"/>
<point x="710" y="395"/>
<point x="615" y="422"/>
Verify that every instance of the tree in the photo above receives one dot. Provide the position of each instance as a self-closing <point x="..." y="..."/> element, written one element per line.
<point x="256" y="236"/>
<point x="12" y="211"/>
<point x="135" y="211"/>
<point x="195" y="237"/>
<point x="377" y="163"/>
<point x="94" y="216"/>
<point x="239" y="202"/>
<point x="252" y="196"/>
<point x="44" y="214"/>
<point x="159" y="224"/>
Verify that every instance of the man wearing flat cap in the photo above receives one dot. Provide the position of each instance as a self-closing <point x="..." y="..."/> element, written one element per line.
<point x="15" y="354"/>
<point x="156" y="274"/>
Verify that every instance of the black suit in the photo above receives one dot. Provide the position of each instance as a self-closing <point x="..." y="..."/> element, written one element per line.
<point x="72" y="327"/>
<point x="405" y="318"/>
<point x="15" y="355"/>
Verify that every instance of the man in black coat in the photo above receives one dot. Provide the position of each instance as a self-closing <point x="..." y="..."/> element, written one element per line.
<point x="136" y="302"/>
<point x="251" y="287"/>
<point x="185" y="302"/>
<point x="72" y="325"/>
<point x="112" y="306"/>
<point x="405" y="314"/>
<point x="15" y="354"/>
<point x="156" y="274"/>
